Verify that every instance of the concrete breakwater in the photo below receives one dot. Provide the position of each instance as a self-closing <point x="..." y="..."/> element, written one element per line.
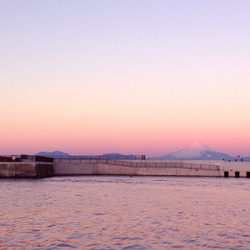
<point x="132" y="168"/>
<point x="153" y="168"/>
<point x="39" y="167"/>
<point x="26" y="167"/>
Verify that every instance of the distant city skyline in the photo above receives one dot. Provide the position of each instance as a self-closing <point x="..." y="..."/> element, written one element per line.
<point x="140" y="77"/>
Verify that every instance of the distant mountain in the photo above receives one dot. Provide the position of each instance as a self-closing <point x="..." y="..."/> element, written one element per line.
<point x="53" y="154"/>
<point x="111" y="156"/>
<point x="195" y="151"/>
<point x="247" y="158"/>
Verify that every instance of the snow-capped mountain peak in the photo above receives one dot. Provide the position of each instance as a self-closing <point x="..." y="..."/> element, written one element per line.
<point x="196" y="145"/>
<point x="196" y="149"/>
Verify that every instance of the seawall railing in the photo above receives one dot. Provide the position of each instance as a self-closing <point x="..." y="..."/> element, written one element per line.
<point x="101" y="157"/>
<point x="144" y="163"/>
<point x="148" y="164"/>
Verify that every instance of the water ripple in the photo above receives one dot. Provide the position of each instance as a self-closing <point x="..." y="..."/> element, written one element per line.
<point x="105" y="212"/>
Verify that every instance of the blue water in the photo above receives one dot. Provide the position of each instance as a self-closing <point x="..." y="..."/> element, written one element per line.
<point x="110" y="212"/>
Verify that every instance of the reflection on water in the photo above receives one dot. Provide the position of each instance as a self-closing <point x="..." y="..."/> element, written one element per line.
<point x="110" y="212"/>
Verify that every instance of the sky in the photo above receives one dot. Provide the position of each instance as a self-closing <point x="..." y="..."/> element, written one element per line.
<point x="136" y="77"/>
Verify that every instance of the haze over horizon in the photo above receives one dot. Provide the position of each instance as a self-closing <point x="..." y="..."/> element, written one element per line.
<point x="140" y="77"/>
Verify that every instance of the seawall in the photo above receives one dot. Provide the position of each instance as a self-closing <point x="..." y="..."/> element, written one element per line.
<point x="153" y="168"/>
<point x="106" y="169"/>
<point x="75" y="167"/>
<point x="26" y="166"/>
<point x="26" y="169"/>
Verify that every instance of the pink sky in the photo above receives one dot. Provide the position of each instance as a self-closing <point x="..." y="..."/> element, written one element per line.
<point x="130" y="77"/>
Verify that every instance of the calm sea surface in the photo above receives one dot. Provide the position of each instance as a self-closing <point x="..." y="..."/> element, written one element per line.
<point x="110" y="212"/>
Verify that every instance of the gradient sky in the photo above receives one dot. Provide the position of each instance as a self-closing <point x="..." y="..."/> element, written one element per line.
<point x="141" y="77"/>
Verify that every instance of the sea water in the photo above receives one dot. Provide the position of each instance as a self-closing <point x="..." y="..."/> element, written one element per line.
<point x="115" y="212"/>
